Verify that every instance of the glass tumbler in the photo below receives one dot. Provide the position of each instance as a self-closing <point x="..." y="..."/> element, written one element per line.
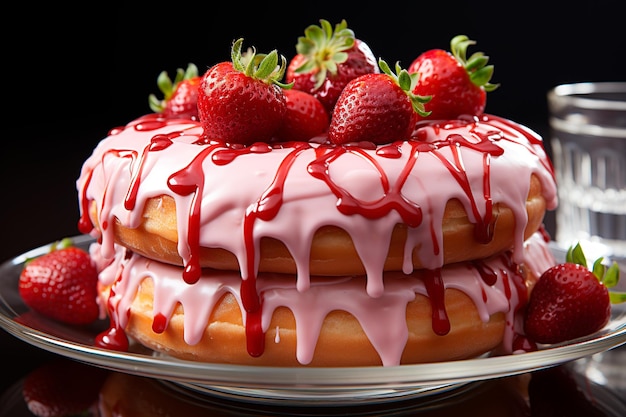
<point x="588" y="140"/>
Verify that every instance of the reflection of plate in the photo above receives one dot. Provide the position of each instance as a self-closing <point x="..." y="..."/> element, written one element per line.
<point x="122" y="394"/>
<point x="270" y="384"/>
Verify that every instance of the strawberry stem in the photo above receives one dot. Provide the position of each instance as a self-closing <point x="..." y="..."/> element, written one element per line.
<point x="611" y="277"/>
<point x="324" y="48"/>
<point x="167" y="86"/>
<point x="575" y="255"/>
<point x="64" y="243"/>
<point x="407" y="83"/>
<point x="262" y="67"/>
<point x="476" y="66"/>
<point x="607" y="276"/>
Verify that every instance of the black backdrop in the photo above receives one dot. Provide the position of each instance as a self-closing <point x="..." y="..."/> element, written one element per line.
<point x="70" y="75"/>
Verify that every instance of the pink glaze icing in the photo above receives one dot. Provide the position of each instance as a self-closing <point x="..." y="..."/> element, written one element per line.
<point x="232" y="196"/>
<point x="494" y="285"/>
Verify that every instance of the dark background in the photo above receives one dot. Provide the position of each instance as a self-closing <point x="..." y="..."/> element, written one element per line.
<point x="70" y="75"/>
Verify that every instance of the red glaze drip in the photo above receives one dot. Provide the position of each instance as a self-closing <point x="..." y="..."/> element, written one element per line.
<point x="188" y="181"/>
<point x="436" y="292"/>
<point x="484" y="234"/>
<point x="114" y="337"/>
<point x="85" y="225"/>
<point x="191" y="179"/>
<point x="159" y="323"/>
<point x="157" y="143"/>
<point x="533" y="140"/>
<point x="482" y="230"/>
<point x="518" y="279"/>
<point x="393" y="151"/>
<point x="255" y="338"/>
<point x="544" y="233"/>
<point x="522" y="344"/>
<point x="488" y="275"/>
<point x="147" y="123"/>
<point x="392" y="198"/>
<point x="486" y="144"/>
<point x="227" y="155"/>
<point x="265" y="209"/>
<point x="116" y="130"/>
<point x="507" y="288"/>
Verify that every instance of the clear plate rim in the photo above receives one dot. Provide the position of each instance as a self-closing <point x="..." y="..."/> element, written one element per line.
<point x="307" y="379"/>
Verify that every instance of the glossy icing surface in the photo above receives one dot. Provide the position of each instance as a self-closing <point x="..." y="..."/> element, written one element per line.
<point x="231" y="197"/>
<point x="494" y="285"/>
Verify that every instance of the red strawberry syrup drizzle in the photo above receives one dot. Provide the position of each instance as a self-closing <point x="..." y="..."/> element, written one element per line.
<point x="114" y="337"/>
<point x="190" y="181"/>
<point x="347" y="204"/>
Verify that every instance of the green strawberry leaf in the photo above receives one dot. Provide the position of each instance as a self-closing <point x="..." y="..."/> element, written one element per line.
<point x="482" y="77"/>
<point x="167" y="86"/>
<point x="617" y="297"/>
<point x="407" y="83"/>
<point x="598" y="268"/>
<point x="476" y="66"/>
<point x="263" y="67"/>
<point x="575" y="255"/>
<point x="64" y="243"/>
<point x="609" y="277"/>
<point x="476" y="61"/>
<point x="324" y="48"/>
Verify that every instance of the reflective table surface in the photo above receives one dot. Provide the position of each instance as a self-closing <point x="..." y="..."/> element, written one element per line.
<point x="591" y="386"/>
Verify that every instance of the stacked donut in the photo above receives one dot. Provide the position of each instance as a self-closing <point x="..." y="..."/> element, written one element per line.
<point x="360" y="218"/>
<point x="309" y="253"/>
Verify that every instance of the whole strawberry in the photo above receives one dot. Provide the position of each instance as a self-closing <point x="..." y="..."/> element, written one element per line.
<point x="457" y="85"/>
<point x="570" y="301"/>
<point x="242" y="101"/>
<point x="61" y="284"/>
<point x="304" y="119"/>
<point x="378" y="108"/>
<point x="62" y="388"/>
<point x="327" y="60"/>
<point x="180" y="97"/>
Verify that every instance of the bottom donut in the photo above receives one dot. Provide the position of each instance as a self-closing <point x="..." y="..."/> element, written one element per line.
<point x="462" y="311"/>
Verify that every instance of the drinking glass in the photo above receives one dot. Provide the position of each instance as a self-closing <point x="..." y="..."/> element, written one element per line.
<point x="588" y="140"/>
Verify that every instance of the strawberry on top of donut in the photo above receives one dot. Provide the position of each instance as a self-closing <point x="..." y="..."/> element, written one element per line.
<point x="378" y="108"/>
<point x="242" y="101"/>
<point x="180" y="97"/>
<point x="457" y="84"/>
<point x="569" y="300"/>
<point x="327" y="59"/>
<point x="305" y="117"/>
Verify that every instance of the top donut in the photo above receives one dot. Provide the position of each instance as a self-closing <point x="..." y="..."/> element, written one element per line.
<point x="330" y="163"/>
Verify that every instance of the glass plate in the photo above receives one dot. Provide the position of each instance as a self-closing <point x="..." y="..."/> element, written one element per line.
<point x="276" y="384"/>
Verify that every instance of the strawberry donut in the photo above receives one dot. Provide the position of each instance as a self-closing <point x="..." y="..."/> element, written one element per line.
<point x="218" y="239"/>
<point x="282" y="253"/>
